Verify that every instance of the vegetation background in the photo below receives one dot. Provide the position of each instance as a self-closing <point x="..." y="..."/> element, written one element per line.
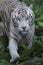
<point x="36" y="52"/>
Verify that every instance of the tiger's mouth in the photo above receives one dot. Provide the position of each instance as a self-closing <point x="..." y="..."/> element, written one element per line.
<point x="23" y="32"/>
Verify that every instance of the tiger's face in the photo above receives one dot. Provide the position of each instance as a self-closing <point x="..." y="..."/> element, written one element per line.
<point x="23" y="19"/>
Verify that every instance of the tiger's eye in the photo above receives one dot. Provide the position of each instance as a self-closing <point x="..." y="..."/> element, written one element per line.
<point x="31" y="16"/>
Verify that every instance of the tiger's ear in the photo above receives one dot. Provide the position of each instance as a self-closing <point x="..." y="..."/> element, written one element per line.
<point x="31" y="6"/>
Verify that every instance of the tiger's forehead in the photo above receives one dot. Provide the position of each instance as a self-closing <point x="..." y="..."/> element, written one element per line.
<point x="22" y="12"/>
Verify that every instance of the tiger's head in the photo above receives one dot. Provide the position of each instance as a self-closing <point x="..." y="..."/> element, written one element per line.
<point x="23" y="19"/>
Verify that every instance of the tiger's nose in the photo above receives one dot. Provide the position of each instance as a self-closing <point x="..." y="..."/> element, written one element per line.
<point x="23" y="28"/>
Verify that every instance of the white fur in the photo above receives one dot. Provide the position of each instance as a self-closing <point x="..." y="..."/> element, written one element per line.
<point x="13" y="50"/>
<point x="13" y="47"/>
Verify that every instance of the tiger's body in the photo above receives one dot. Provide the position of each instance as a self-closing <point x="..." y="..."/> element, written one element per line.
<point x="18" y="20"/>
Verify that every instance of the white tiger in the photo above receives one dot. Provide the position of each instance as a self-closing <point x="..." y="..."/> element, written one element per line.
<point x="19" y="24"/>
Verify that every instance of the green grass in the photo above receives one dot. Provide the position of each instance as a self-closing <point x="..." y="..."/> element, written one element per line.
<point x="35" y="53"/>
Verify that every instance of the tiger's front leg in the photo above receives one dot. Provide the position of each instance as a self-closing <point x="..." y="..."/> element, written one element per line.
<point x="13" y="48"/>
